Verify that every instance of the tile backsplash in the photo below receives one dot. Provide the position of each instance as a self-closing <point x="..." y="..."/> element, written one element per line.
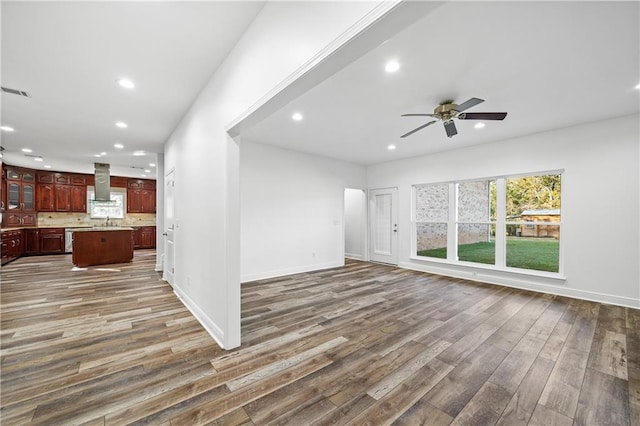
<point x="65" y="220"/>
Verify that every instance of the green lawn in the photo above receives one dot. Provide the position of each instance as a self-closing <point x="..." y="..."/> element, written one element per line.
<point x="540" y="254"/>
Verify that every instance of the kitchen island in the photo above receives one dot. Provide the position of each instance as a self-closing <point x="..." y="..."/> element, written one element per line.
<point x="102" y="246"/>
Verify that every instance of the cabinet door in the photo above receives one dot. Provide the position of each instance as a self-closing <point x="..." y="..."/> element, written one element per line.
<point x="148" y="237"/>
<point x="63" y="198"/>
<point x="28" y="197"/>
<point x="136" y="235"/>
<point x="46" y="198"/>
<point x="79" y="199"/>
<point x="51" y="243"/>
<point x="18" y="248"/>
<point x="148" y="201"/>
<point x="11" y="219"/>
<point x="3" y="188"/>
<point x="29" y="219"/>
<point x="45" y="177"/>
<point x="134" y="201"/>
<point x="13" y="195"/>
<point x="31" y="241"/>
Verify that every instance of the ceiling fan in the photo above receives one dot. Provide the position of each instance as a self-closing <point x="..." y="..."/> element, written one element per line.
<point x="448" y="110"/>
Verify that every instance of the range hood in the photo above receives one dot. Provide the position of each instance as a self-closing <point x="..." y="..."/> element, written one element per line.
<point x="102" y="182"/>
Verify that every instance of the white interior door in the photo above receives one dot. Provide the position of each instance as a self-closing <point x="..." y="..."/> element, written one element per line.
<point x="169" y="223"/>
<point x="383" y="225"/>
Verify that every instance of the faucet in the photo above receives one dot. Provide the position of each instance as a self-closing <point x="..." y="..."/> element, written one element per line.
<point x="107" y="222"/>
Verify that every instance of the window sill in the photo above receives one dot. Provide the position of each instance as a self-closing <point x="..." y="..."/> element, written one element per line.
<point x="479" y="270"/>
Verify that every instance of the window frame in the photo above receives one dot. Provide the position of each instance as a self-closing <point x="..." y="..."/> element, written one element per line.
<point x="500" y="223"/>
<point x="92" y="203"/>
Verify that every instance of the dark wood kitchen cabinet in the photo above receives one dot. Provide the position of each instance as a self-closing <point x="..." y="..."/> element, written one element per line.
<point x="20" y="189"/>
<point x="31" y="241"/>
<point x="59" y="192"/>
<point x="144" y="237"/>
<point x="51" y="240"/>
<point x="12" y="245"/>
<point x="141" y="196"/>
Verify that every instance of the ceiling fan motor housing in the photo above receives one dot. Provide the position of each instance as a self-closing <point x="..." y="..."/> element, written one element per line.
<point x="446" y="110"/>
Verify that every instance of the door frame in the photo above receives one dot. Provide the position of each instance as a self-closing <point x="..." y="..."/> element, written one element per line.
<point x="168" y="271"/>
<point x="392" y="258"/>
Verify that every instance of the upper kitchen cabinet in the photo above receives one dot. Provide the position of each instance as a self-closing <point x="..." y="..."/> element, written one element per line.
<point x="62" y="192"/>
<point x="20" y="197"/>
<point x="21" y="190"/>
<point x="141" y="196"/>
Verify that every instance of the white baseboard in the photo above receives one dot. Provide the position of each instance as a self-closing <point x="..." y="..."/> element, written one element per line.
<point x="354" y="256"/>
<point x="290" y="271"/>
<point x="203" y="319"/>
<point x="537" y="284"/>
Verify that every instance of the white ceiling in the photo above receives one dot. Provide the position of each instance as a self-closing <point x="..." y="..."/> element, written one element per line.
<point x="68" y="56"/>
<point x="548" y="64"/>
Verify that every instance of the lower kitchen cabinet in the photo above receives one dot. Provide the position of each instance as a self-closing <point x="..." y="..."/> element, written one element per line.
<point x="31" y="241"/>
<point x="12" y="245"/>
<point x="144" y="237"/>
<point x="51" y="240"/>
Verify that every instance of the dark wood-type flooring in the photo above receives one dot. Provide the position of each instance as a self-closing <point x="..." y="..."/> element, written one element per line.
<point x="365" y="344"/>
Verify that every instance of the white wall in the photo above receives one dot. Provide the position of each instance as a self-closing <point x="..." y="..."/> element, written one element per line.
<point x="355" y="223"/>
<point x="600" y="203"/>
<point x="292" y="207"/>
<point x="282" y="37"/>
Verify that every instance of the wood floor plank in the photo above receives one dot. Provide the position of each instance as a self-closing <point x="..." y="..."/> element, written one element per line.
<point x="360" y="344"/>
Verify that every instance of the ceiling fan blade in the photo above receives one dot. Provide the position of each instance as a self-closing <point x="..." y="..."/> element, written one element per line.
<point x="450" y="127"/>
<point x="418" y="128"/>
<point x="418" y="115"/>
<point x="468" y="104"/>
<point x="482" y="116"/>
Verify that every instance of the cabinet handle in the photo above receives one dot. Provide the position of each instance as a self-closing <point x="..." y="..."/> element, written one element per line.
<point x="13" y="243"/>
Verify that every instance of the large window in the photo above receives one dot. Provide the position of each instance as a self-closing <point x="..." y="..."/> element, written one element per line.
<point x="113" y="209"/>
<point x="507" y="222"/>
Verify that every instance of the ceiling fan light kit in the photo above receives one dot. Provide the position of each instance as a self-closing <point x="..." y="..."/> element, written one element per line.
<point x="448" y="110"/>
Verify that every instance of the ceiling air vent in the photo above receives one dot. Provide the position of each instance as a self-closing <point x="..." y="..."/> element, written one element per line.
<point x="16" y="92"/>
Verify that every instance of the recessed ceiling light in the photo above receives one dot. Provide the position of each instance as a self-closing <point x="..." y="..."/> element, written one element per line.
<point x="126" y="83"/>
<point x="103" y="153"/>
<point x="118" y="145"/>
<point x="27" y="150"/>
<point x="97" y="155"/>
<point x="391" y="147"/>
<point x="143" y="175"/>
<point x="7" y="128"/>
<point x="38" y="159"/>
<point x="147" y="171"/>
<point x="637" y="87"/>
<point x="139" y="153"/>
<point x="152" y="165"/>
<point x="479" y="125"/>
<point x="297" y="116"/>
<point x="47" y="166"/>
<point x="121" y="124"/>
<point x="392" y="66"/>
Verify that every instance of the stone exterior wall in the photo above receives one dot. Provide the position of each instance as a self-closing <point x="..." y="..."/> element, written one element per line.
<point x="432" y="205"/>
<point x="473" y="206"/>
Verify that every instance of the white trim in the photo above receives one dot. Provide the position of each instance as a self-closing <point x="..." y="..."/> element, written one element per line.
<point x="289" y="271"/>
<point x="354" y="256"/>
<point x="206" y="322"/>
<point x="355" y="30"/>
<point x="531" y="283"/>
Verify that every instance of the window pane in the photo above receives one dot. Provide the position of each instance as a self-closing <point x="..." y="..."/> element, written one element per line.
<point x="432" y="240"/>
<point x="102" y="210"/>
<point x="432" y="203"/>
<point x="476" y="201"/>
<point x="531" y="195"/>
<point x="476" y="243"/>
<point x="541" y="253"/>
